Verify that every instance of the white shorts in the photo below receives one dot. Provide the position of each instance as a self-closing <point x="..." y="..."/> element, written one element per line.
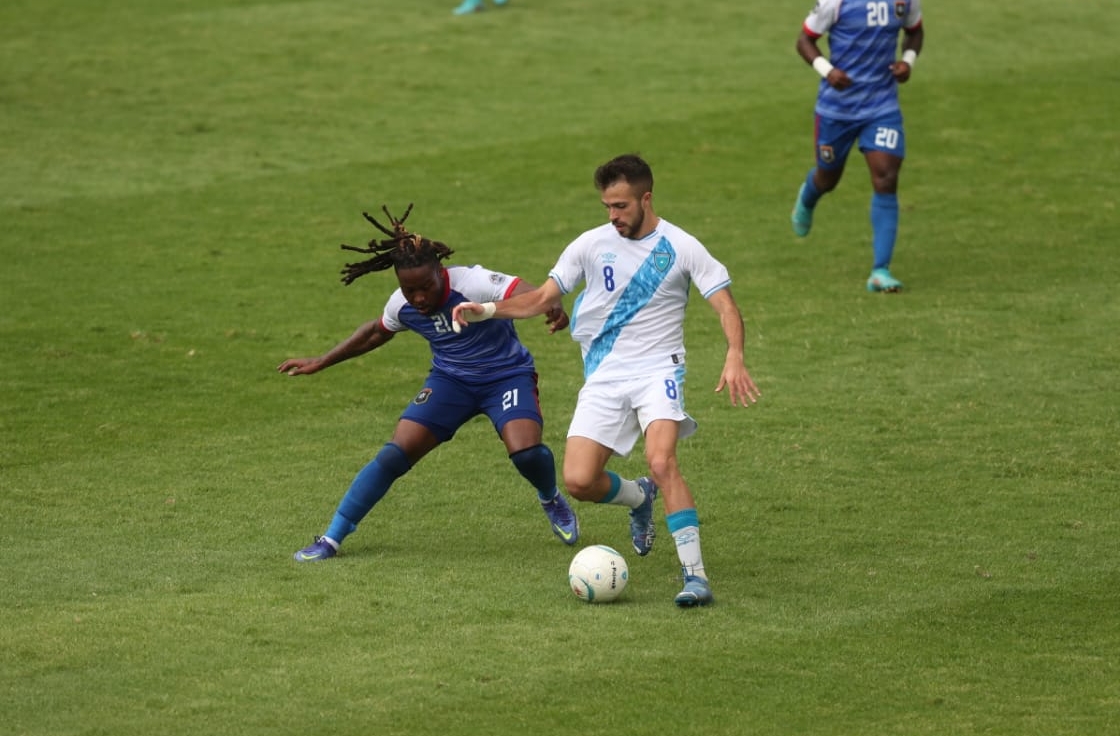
<point x="616" y="413"/>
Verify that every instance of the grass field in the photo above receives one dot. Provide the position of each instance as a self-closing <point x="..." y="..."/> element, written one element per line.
<point x="915" y="532"/>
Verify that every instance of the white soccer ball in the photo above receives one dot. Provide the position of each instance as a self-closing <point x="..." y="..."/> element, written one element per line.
<point x="598" y="574"/>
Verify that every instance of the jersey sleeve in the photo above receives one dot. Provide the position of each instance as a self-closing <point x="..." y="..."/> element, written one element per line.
<point x="568" y="273"/>
<point x="821" y="18"/>
<point x="913" y="19"/>
<point x="707" y="273"/>
<point x="390" y="317"/>
<point x="479" y="284"/>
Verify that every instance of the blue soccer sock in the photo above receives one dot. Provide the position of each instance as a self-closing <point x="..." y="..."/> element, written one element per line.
<point x="538" y="466"/>
<point x="884" y="227"/>
<point x="369" y="486"/>
<point x="810" y="195"/>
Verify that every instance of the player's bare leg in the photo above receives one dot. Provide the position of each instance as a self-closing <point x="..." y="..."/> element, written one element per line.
<point x="680" y="512"/>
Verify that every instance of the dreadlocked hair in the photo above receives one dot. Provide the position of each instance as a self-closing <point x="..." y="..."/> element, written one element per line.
<point x="401" y="250"/>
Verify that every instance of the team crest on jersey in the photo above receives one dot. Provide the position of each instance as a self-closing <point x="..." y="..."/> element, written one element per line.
<point x="610" y="258"/>
<point x="423" y="396"/>
<point x="900" y="9"/>
<point x="661" y="260"/>
<point x="827" y="154"/>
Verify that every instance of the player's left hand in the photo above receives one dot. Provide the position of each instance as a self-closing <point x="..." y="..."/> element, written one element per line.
<point x="740" y="386"/>
<point x="556" y="318"/>
<point x="901" y="71"/>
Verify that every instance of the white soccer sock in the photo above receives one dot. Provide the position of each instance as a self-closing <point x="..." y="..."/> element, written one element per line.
<point x="629" y="494"/>
<point x="688" y="551"/>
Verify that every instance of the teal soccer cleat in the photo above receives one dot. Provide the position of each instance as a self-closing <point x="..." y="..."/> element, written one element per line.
<point x="882" y="281"/>
<point x="468" y="6"/>
<point x="802" y="217"/>
<point x="696" y="592"/>
<point x="564" y="523"/>
<point x="642" y="529"/>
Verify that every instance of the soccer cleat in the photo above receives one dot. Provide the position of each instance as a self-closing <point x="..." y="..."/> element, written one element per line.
<point x="696" y="592"/>
<point x="468" y="6"/>
<point x="881" y="280"/>
<point x="564" y="522"/>
<point x="642" y="530"/>
<point x="802" y="217"/>
<point x="321" y="549"/>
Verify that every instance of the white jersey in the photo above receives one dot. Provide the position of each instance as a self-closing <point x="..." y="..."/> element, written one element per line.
<point x="629" y="320"/>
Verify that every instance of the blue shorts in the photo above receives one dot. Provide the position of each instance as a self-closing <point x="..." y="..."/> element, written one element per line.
<point x="445" y="403"/>
<point x="834" y="138"/>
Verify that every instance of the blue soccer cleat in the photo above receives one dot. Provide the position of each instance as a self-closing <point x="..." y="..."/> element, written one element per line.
<point x="321" y="549"/>
<point x="696" y="592"/>
<point x="882" y="281"/>
<point x="642" y="530"/>
<point x="802" y="217"/>
<point x="564" y="522"/>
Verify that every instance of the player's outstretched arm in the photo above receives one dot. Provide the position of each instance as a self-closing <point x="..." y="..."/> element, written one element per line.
<point x="541" y="300"/>
<point x="368" y="337"/>
<point x="556" y="317"/>
<point x="741" y="388"/>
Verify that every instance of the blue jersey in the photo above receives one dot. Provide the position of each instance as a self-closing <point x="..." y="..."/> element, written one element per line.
<point x="488" y="351"/>
<point x="863" y="42"/>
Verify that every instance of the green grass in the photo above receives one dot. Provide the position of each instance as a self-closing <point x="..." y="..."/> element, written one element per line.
<point x="915" y="531"/>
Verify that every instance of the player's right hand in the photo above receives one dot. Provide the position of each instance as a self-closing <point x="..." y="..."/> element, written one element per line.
<point x="458" y="321"/>
<point x="299" y="366"/>
<point x="839" y="79"/>
<point x="466" y="312"/>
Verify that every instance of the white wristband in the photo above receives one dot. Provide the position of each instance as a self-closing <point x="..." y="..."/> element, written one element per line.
<point x="487" y="312"/>
<point x="910" y="56"/>
<point x="823" y="66"/>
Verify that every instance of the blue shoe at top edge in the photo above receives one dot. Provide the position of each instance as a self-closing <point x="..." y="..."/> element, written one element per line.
<point x="468" y="6"/>
<point x="802" y="216"/>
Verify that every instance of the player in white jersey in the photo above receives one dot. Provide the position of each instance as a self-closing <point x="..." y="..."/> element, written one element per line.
<point x="857" y="104"/>
<point x="638" y="270"/>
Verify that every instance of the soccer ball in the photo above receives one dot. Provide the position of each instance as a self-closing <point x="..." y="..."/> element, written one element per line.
<point x="598" y="574"/>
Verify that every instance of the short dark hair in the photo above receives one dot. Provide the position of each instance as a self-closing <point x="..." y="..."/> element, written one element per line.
<point x="629" y="166"/>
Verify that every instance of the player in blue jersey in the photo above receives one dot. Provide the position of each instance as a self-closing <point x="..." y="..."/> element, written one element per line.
<point x="858" y="104"/>
<point x="488" y="372"/>
<point x="629" y="320"/>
